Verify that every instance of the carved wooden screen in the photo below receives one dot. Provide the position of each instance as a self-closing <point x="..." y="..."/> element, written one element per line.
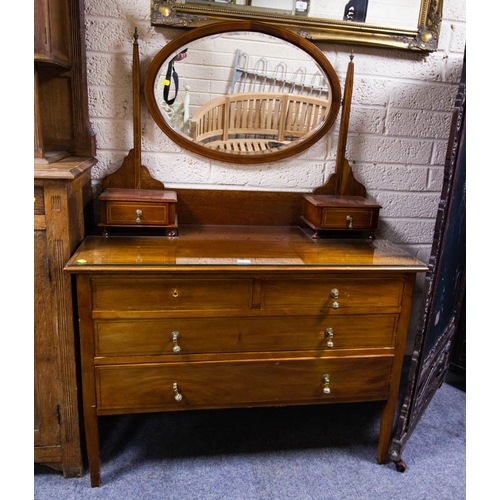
<point x="444" y="289"/>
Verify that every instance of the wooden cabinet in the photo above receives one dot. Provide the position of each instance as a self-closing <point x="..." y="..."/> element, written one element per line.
<point x="62" y="125"/>
<point x="219" y="319"/>
<point x="61" y="198"/>
<point x="64" y="147"/>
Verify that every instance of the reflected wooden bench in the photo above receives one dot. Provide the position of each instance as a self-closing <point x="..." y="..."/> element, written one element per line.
<point x="256" y="121"/>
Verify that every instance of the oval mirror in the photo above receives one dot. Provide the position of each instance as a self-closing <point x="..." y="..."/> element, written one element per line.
<point x="242" y="92"/>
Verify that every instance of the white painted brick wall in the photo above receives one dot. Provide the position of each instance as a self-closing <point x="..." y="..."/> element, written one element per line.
<point x="399" y="126"/>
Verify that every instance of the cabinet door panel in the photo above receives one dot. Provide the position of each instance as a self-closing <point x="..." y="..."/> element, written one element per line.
<point x="52" y="31"/>
<point x="46" y="385"/>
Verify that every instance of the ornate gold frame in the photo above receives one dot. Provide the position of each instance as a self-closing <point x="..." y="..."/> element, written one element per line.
<point x="423" y="38"/>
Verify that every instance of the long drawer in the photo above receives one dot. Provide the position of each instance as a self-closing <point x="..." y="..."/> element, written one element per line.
<point x="176" y="386"/>
<point x="238" y="334"/>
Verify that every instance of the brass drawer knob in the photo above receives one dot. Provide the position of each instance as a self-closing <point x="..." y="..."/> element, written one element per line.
<point x="329" y="336"/>
<point x="350" y="221"/>
<point x="335" y="305"/>
<point x="326" y="383"/>
<point x="138" y="214"/>
<point x="175" y="336"/>
<point x="178" y="395"/>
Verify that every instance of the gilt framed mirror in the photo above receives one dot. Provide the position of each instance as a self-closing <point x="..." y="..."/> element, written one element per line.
<point x="406" y="24"/>
<point x="242" y="92"/>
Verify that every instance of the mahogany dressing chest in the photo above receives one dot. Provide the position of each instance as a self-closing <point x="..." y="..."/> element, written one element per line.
<point x="249" y="303"/>
<point x="232" y="316"/>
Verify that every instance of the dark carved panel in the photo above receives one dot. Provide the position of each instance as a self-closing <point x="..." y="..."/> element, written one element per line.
<point x="444" y="288"/>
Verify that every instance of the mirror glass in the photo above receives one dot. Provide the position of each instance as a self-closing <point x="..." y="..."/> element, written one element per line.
<point x="403" y="24"/>
<point x="242" y="91"/>
<point x="402" y="14"/>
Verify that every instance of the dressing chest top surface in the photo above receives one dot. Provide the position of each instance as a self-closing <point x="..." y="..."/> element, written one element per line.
<point x="240" y="247"/>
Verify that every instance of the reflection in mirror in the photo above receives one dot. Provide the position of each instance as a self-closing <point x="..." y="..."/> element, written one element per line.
<point x="228" y="91"/>
<point x="405" y="24"/>
<point x="253" y="84"/>
<point x="403" y="14"/>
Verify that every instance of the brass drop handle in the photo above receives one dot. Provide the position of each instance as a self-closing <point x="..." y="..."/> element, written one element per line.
<point x="326" y="383"/>
<point x="138" y="214"/>
<point x="175" y="336"/>
<point x="350" y="221"/>
<point x="178" y="395"/>
<point x="334" y="294"/>
<point x="329" y="336"/>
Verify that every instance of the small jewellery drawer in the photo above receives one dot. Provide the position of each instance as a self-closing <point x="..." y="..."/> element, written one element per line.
<point x="348" y="219"/>
<point x="333" y="293"/>
<point x="212" y="335"/>
<point x="175" y="294"/>
<point x="136" y="207"/>
<point x="340" y="212"/>
<point x="177" y="386"/>
<point x="130" y="213"/>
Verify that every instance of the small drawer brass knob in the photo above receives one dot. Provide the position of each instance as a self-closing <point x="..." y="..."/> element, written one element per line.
<point x="334" y="293"/>
<point x="350" y="221"/>
<point x="138" y="213"/>
<point x="335" y="305"/>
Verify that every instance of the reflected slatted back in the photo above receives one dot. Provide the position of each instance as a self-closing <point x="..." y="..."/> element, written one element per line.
<point x="278" y="116"/>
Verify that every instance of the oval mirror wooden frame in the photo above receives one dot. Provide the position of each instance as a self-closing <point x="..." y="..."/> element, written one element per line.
<point x="243" y="26"/>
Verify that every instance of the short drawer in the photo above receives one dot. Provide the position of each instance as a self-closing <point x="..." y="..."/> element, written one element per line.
<point x="137" y="213"/>
<point x="335" y="218"/>
<point x="138" y="207"/>
<point x="340" y="212"/>
<point x="333" y="293"/>
<point x="157" y="387"/>
<point x="171" y="294"/>
<point x="211" y="335"/>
